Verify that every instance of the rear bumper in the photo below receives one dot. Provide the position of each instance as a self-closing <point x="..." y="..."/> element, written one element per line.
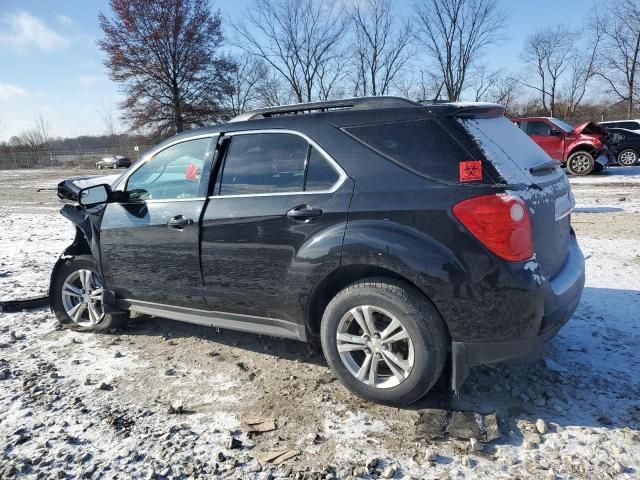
<point x="562" y="296"/>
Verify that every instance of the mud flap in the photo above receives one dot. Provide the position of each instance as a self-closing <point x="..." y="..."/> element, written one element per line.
<point x="459" y="366"/>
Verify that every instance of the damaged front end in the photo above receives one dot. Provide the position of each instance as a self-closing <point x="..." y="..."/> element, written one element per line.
<point x="87" y="220"/>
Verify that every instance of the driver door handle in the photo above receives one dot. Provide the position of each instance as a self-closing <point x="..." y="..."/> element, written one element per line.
<point x="304" y="212"/>
<point x="179" y="222"/>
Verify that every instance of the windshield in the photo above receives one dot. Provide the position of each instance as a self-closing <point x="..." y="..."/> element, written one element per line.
<point x="563" y="125"/>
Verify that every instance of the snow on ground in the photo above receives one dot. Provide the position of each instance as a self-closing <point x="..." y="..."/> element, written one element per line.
<point x="610" y="175"/>
<point x="29" y="247"/>
<point x="96" y="406"/>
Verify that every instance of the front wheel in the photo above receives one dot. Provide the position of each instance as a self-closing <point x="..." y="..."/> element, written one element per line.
<point x="580" y="163"/>
<point x="76" y="296"/>
<point x="384" y="340"/>
<point x="628" y="157"/>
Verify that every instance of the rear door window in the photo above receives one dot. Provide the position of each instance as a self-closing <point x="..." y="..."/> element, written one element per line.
<point x="271" y="163"/>
<point x="320" y="174"/>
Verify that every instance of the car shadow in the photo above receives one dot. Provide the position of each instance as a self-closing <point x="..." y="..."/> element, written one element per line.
<point x="587" y="376"/>
<point x="273" y="346"/>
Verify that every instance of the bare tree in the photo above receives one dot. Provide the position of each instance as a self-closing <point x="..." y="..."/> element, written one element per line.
<point x="37" y="136"/>
<point x="246" y="81"/>
<point x="496" y="86"/>
<point x="505" y="91"/>
<point x="274" y="91"/>
<point x="454" y="33"/>
<point x="109" y="120"/>
<point x="620" y="25"/>
<point x="422" y="86"/>
<point x="382" y="46"/>
<point x="548" y="53"/>
<point x="481" y="79"/>
<point x="299" y="39"/>
<point x="43" y="127"/>
<point x="166" y="56"/>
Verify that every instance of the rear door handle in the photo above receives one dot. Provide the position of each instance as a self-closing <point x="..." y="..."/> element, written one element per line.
<point x="303" y="212"/>
<point x="179" y="222"/>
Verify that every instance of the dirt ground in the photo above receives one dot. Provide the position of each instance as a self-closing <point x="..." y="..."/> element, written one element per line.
<point x="162" y="399"/>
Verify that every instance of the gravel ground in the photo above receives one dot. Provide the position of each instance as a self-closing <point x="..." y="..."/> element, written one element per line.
<point x="161" y="399"/>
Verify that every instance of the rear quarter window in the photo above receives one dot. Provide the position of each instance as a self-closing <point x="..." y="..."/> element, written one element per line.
<point x="422" y="146"/>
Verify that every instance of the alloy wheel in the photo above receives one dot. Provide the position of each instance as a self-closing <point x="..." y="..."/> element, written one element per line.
<point x="375" y="347"/>
<point x="82" y="298"/>
<point x="580" y="163"/>
<point x="627" y="158"/>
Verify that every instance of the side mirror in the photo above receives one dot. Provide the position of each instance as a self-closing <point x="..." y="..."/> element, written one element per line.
<point x="95" y="195"/>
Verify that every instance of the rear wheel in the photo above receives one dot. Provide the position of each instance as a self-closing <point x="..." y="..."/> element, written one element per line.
<point x="76" y="296"/>
<point x="628" y="157"/>
<point x="384" y="340"/>
<point x="580" y="163"/>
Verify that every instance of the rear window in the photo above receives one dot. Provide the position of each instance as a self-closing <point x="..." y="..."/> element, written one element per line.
<point x="421" y="146"/>
<point x="506" y="146"/>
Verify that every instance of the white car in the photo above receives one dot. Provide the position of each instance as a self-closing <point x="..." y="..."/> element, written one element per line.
<point x="633" y="125"/>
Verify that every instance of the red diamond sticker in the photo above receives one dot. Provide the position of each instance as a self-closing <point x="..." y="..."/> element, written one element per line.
<point x="470" y="171"/>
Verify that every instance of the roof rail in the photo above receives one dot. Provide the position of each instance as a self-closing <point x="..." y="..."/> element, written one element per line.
<point x="361" y="103"/>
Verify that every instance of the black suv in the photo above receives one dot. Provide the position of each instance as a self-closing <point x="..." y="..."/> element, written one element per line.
<point x="398" y="234"/>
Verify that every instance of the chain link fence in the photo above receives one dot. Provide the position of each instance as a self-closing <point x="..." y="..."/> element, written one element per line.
<point x="11" y="159"/>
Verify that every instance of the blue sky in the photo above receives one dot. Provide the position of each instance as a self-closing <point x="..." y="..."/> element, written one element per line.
<point x="50" y="64"/>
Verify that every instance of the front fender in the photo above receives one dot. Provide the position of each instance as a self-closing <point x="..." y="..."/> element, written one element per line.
<point x="583" y="145"/>
<point x="86" y="240"/>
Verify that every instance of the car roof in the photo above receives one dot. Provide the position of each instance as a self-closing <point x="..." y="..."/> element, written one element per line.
<point x="341" y="113"/>
<point x="619" y="121"/>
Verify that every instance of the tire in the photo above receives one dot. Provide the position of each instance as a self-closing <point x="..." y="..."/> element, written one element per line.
<point x="627" y="157"/>
<point x="580" y="163"/>
<point x="71" y="272"/>
<point x="99" y="167"/>
<point x="424" y="349"/>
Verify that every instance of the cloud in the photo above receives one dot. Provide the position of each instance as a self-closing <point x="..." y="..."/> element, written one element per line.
<point x="9" y="91"/>
<point x="23" y="30"/>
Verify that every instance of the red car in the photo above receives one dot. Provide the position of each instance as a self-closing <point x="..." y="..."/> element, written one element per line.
<point x="581" y="149"/>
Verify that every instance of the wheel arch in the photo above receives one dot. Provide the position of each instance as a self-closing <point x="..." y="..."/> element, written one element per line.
<point x="344" y="276"/>
<point x="583" y="147"/>
<point x="79" y="246"/>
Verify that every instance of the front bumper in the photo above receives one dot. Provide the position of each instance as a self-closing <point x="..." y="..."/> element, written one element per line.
<point x="562" y="297"/>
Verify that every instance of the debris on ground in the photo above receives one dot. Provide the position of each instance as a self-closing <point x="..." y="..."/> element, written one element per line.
<point x="437" y="423"/>
<point x="277" y="456"/>
<point x="255" y="424"/>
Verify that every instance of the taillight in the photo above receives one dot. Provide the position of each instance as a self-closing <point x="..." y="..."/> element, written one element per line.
<point x="500" y="222"/>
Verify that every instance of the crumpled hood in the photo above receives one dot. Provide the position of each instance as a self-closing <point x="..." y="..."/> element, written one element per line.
<point x="590" y="128"/>
<point x="68" y="189"/>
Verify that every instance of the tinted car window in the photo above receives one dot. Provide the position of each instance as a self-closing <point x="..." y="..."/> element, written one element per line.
<point x="174" y="173"/>
<point x="264" y="163"/>
<point x="320" y="174"/>
<point x="628" y="125"/>
<point x="423" y="146"/>
<point x="538" y="128"/>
